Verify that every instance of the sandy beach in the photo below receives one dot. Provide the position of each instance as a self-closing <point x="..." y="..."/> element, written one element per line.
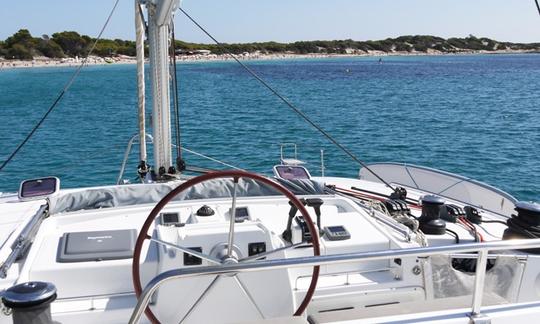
<point x="122" y="59"/>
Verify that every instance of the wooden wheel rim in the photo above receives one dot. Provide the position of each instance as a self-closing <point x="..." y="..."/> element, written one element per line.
<point x="235" y="174"/>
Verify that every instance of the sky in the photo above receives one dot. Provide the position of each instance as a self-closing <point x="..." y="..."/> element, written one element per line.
<point x="289" y="20"/>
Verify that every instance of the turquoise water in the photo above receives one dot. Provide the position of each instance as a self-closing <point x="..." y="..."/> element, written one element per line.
<point x="478" y="116"/>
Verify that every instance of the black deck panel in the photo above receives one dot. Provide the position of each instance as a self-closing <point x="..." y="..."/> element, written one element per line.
<point x="97" y="245"/>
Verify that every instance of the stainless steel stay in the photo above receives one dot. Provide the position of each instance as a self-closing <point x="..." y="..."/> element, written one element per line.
<point x="481" y="248"/>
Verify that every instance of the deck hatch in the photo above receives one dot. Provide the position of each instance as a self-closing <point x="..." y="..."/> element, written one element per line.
<point x="97" y="246"/>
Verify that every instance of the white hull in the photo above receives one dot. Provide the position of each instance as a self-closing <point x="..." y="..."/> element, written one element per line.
<point x="415" y="289"/>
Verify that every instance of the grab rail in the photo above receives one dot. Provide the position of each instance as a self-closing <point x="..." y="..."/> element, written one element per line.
<point x="481" y="248"/>
<point x="127" y="152"/>
<point x="25" y="238"/>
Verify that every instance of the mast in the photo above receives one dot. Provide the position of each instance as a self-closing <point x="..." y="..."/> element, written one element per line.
<point x="160" y="14"/>
<point x="139" y="41"/>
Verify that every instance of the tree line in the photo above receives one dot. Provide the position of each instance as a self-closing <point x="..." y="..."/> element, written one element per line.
<point x="23" y="46"/>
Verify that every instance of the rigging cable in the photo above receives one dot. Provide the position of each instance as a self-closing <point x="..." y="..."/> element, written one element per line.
<point x="179" y="163"/>
<point x="212" y="159"/>
<point x="537" y="6"/>
<point x="64" y="90"/>
<point x="287" y="102"/>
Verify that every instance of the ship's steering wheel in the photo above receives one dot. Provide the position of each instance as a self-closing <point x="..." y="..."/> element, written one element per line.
<point x="235" y="175"/>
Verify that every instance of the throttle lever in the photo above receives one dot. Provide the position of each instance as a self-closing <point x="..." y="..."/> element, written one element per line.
<point x="287" y="233"/>
<point x="316" y="204"/>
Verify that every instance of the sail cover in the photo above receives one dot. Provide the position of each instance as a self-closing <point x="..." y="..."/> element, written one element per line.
<point x="127" y="195"/>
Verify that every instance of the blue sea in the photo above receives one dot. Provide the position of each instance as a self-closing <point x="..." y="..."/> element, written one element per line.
<point x="478" y="116"/>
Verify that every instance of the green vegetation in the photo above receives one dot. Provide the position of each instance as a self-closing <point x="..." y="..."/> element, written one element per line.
<point x="418" y="43"/>
<point x="22" y="45"/>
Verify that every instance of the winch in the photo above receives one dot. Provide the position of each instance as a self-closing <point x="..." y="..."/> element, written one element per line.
<point x="526" y="224"/>
<point x="430" y="220"/>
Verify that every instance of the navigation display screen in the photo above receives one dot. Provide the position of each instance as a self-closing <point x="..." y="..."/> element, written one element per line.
<point x="336" y="229"/>
<point x="242" y="212"/>
<point x="169" y="218"/>
<point x="336" y="233"/>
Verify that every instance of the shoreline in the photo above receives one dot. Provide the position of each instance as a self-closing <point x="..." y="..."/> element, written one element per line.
<point x="95" y="60"/>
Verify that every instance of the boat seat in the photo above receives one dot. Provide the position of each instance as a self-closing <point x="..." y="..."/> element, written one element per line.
<point x="460" y="302"/>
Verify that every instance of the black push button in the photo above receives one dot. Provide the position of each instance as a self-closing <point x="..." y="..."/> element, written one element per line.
<point x="191" y="259"/>
<point x="256" y="248"/>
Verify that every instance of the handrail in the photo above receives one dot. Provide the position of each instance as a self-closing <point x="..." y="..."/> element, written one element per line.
<point x="283" y="145"/>
<point x="224" y="269"/>
<point x="388" y="221"/>
<point x="126" y="155"/>
<point x="25" y="237"/>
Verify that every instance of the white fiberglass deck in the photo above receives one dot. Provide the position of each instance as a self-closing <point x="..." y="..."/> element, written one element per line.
<point x="102" y="288"/>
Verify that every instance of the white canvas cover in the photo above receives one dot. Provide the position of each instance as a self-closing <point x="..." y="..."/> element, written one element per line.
<point x="445" y="184"/>
<point x="126" y="195"/>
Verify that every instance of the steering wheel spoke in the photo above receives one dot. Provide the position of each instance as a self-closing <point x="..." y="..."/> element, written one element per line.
<point x="230" y="245"/>
<point x="201" y="298"/>
<point x="248" y="295"/>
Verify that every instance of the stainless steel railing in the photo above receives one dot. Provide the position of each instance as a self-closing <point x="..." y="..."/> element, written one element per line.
<point x="25" y="238"/>
<point x="132" y="141"/>
<point x="481" y="248"/>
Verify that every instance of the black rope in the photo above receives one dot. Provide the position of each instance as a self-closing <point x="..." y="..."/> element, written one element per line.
<point x="453" y="234"/>
<point x="286" y="101"/>
<point x="59" y="97"/>
<point x="537" y="6"/>
<point x="175" y="97"/>
<point x="494" y="221"/>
